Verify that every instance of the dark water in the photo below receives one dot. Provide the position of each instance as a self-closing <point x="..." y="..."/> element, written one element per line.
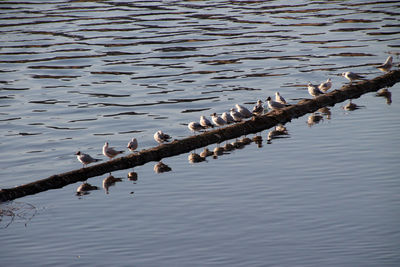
<point x="74" y="74"/>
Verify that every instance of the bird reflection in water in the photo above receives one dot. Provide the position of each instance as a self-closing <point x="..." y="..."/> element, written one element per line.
<point x="161" y="167"/>
<point x="386" y="94"/>
<point x="351" y="106"/>
<point x="314" y="119"/>
<point x="132" y="176"/>
<point x="218" y="151"/>
<point x="258" y="140"/>
<point x="206" y="153"/>
<point x="195" y="158"/>
<point x="278" y="132"/>
<point x="229" y="147"/>
<point x="110" y="181"/>
<point x="326" y="112"/>
<point x="84" y="189"/>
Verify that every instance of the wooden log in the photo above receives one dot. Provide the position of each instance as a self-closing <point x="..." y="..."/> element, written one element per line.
<point x="256" y="124"/>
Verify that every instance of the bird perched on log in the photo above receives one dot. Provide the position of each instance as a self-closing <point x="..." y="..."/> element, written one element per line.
<point x="217" y="120"/>
<point x="279" y="98"/>
<point x="110" y="152"/>
<point x="195" y="127"/>
<point x="161" y="137"/>
<point x="244" y="111"/>
<point x="313" y="90"/>
<point x="385" y="67"/>
<point x="258" y="109"/>
<point x="132" y="145"/>
<point x="227" y="117"/>
<point x="351" y="76"/>
<point x="206" y="123"/>
<point x="273" y="104"/>
<point x="85" y="159"/>
<point x="237" y="117"/>
<point x="325" y="86"/>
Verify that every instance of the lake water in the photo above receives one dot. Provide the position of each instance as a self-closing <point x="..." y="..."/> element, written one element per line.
<point x="74" y="74"/>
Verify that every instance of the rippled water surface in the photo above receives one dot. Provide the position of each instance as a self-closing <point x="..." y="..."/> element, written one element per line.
<point x="74" y="74"/>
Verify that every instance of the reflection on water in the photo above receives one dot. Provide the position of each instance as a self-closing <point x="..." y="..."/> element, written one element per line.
<point x="132" y="176"/>
<point x="84" y="189"/>
<point x="110" y="181"/>
<point x="16" y="211"/>
<point x="314" y="118"/>
<point x="350" y="106"/>
<point x="385" y="93"/>
<point x="76" y="74"/>
<point x="279" y="131"/>
<point x="161" y="167"/>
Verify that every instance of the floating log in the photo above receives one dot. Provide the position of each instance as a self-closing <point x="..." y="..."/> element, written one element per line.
<point x="256" y="124"/>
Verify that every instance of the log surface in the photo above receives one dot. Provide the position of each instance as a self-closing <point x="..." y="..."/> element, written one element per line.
<point x="256" y="124"/>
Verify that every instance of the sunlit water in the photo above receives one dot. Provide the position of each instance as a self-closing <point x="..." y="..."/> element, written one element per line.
<point x="76" y="74"/>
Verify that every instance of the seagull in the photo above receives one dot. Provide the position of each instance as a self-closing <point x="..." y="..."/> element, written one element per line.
<point x="132" y="145"/>
<point x="195" y="127"/>
<point x="273" y="104"/>
<point x="161" y="137"/>
<point x="236" y="115"/>
<point x="279" y="98"/>
<point x="325" y="86"/>
<point x="351" y="76"/>
<point x="258" y="109"/>
<point x="244" y="111"/>
<point x="110" y="152"/>
<point x="217" y="120"/>
<point x="85" y="159"/>
<point x="205" y="122"/>
<point x="227" y="117"/>
<point x="313" y="90"/>
<point x="385" y="67"/>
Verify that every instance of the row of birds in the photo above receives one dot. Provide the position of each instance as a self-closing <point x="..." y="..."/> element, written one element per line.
<point x="235" y="115"/>
<point x="241" y="112"/>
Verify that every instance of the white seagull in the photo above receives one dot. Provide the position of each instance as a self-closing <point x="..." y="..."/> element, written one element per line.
<point x="244" y="111"/>
<point x="351" y="76"/>
<point x="258" y="109"/>
<point x="325" y="86"/>
<point x="205" y="122"/>
<point x="161" y="137"/>
<point x="132" y="145"/>
<point x="217" y="120"/>
<point x="313" y="90"/>
<point x="85" y="159"/>
<point x="273" y="104"/>
<point x="385" y="67"/>
<point x="236" y="115"/>
<point x="195" y="127"/>
<point x="279" y="98"/>
<point x="110" y="152"/>
<point x="227" y="117"/>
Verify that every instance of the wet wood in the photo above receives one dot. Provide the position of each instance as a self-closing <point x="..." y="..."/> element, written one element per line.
<point x="256" y="124"/>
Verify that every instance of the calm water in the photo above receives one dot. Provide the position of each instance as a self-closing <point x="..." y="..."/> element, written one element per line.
<point x="76" y="74"/>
